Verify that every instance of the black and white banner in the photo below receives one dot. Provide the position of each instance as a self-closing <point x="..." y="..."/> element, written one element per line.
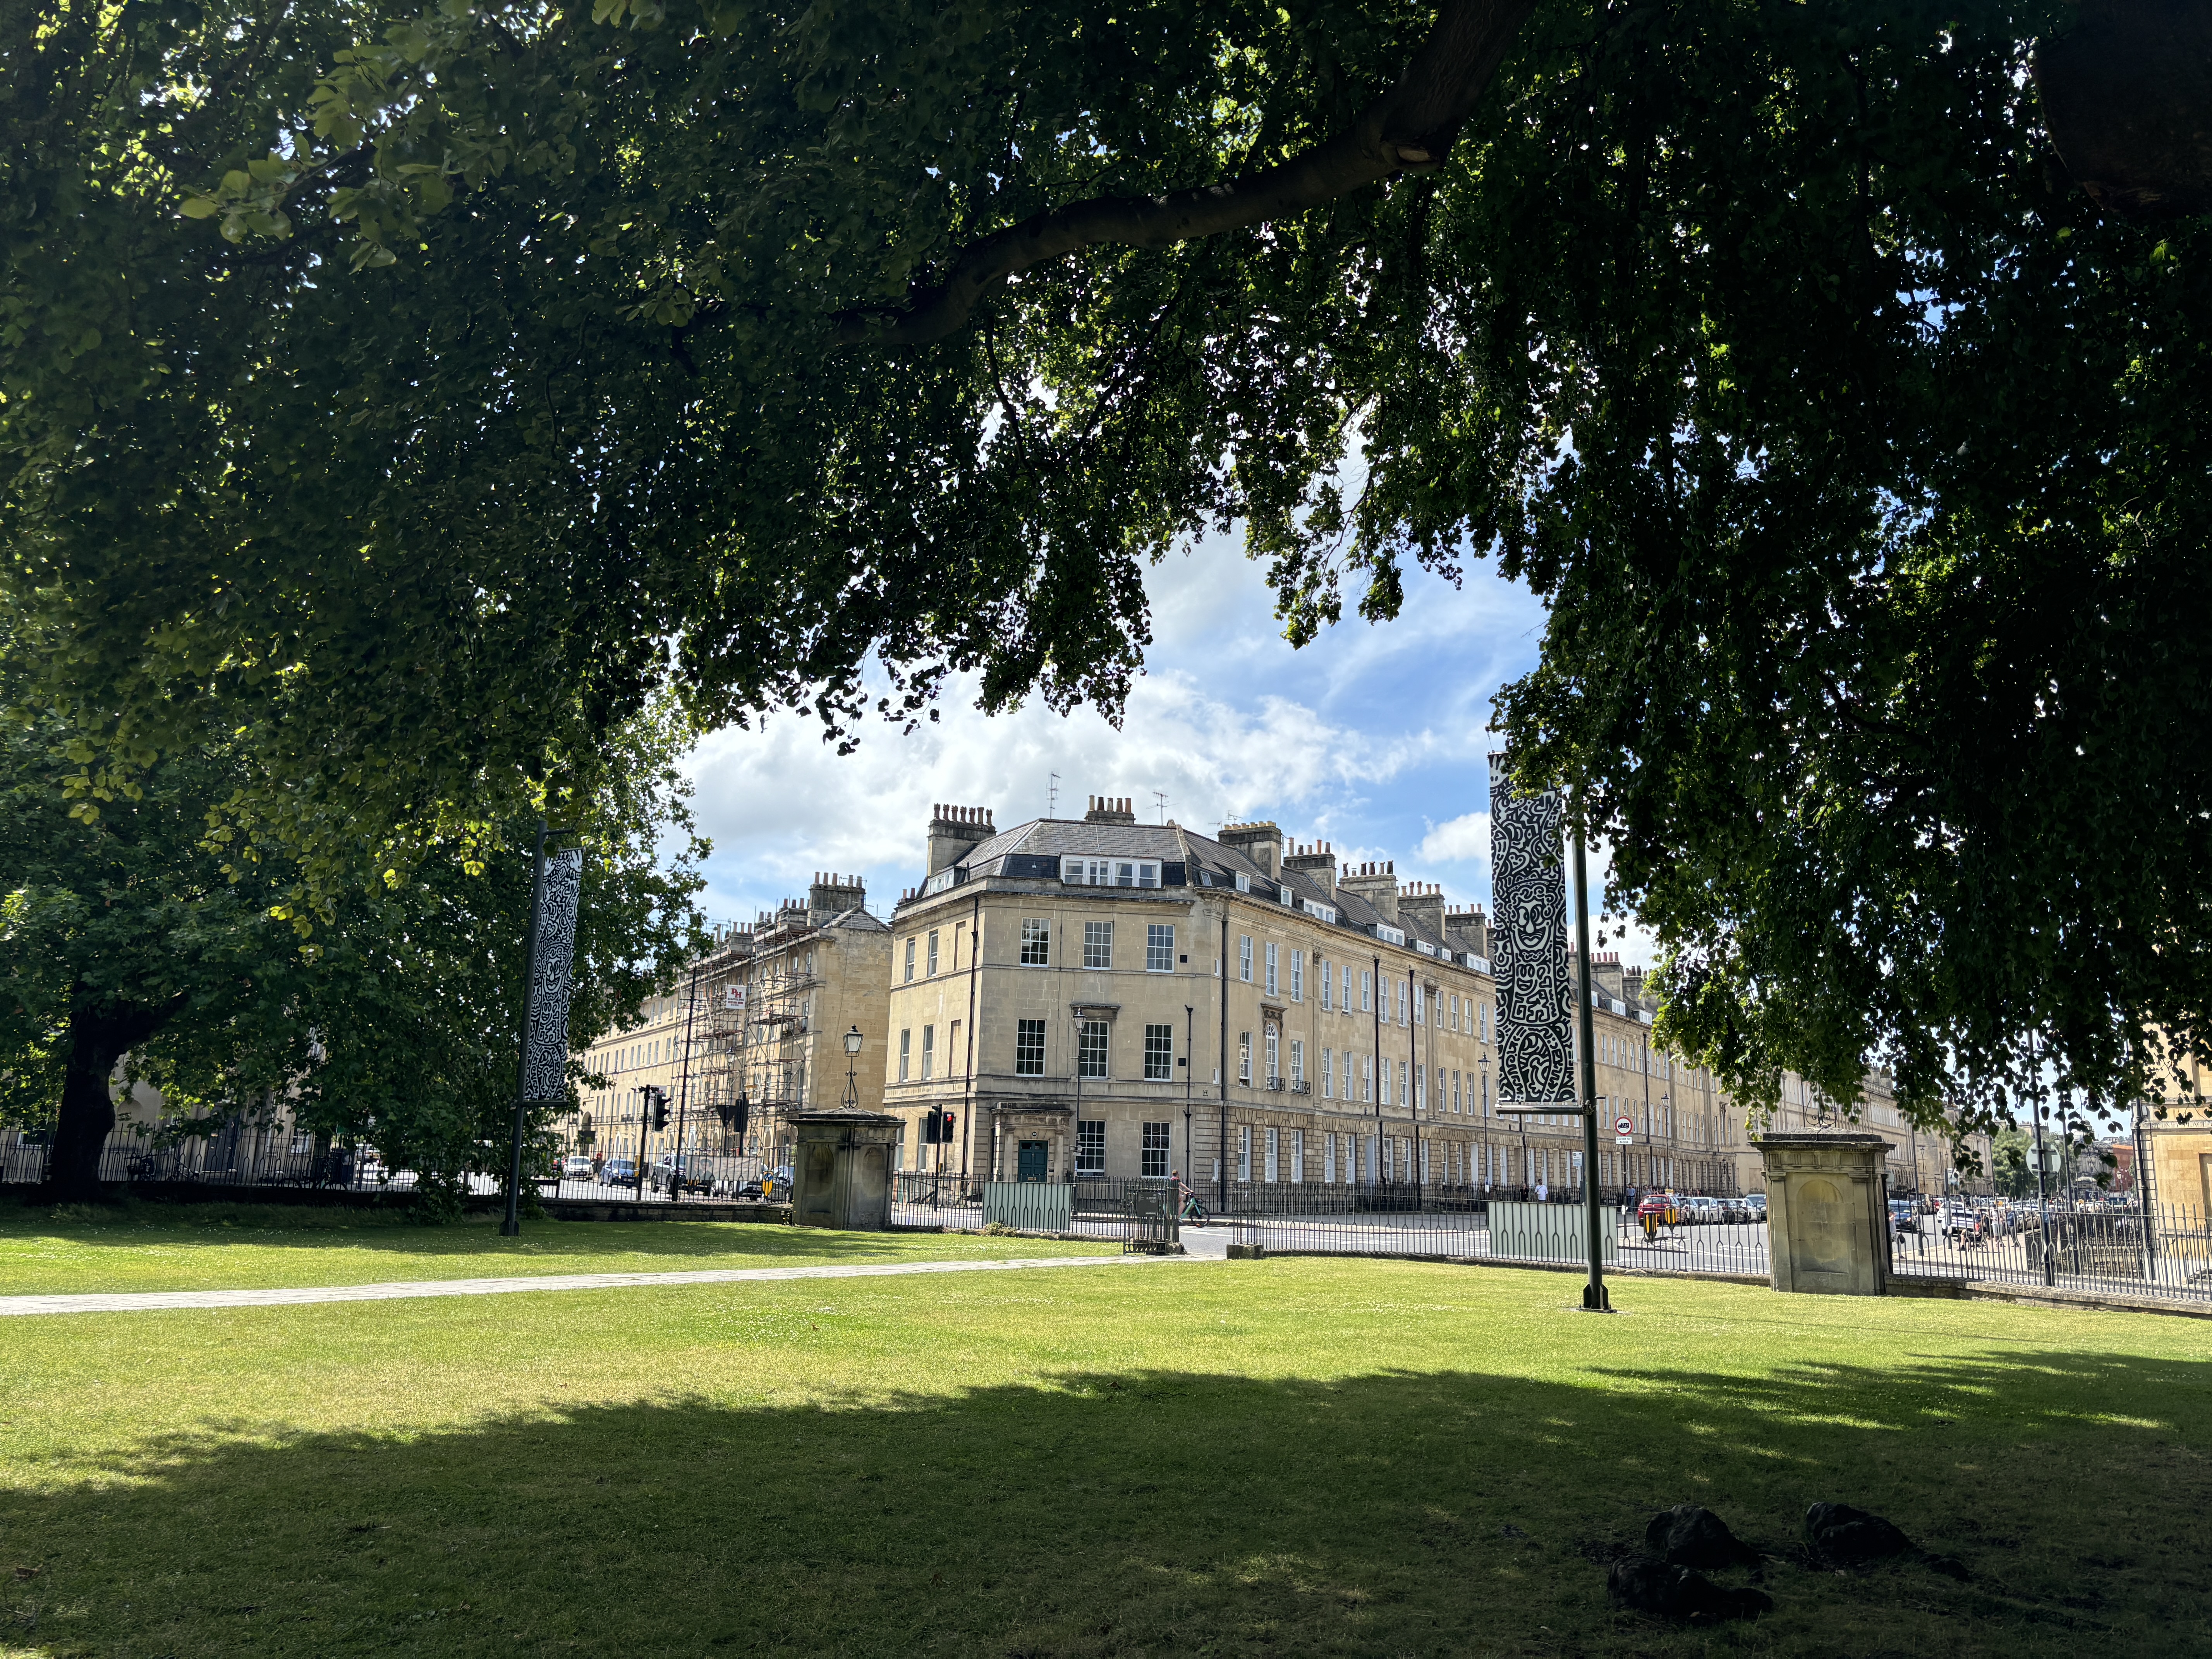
<point x="546" y="1047"/>
<point x="1528" y="951"/>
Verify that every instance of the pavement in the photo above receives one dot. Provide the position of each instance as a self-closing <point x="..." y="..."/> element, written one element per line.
<point x="402" y="1289"/>
<point x="1205" y="1243"/>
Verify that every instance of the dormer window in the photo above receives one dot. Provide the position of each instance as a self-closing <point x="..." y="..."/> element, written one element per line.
<point x="1243" y="882"/>
<point x="1109" y="872"/>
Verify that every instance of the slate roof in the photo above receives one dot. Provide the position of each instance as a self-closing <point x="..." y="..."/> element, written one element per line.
<point x="1207" y="862"/>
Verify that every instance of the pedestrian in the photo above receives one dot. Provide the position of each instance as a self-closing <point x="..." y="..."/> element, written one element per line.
<point x="1543" y="1192"/>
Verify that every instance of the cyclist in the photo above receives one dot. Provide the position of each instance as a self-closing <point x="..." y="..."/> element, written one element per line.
<point x="1189" y="1210"/>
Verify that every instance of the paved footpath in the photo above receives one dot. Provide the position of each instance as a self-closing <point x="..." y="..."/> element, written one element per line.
<point x="153" y="1301"/>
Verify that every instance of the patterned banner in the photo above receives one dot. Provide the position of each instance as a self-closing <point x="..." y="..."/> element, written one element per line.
<point x="1529" y="948"/>
<point x="546" y="1050"/>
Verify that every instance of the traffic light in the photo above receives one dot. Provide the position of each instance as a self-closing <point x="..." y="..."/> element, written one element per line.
<point x="937" y="1127"/>
<point x="659" y="1112"/>
<point x="734" y="1116"/>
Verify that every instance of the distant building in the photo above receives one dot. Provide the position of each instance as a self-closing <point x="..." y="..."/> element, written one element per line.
<point x="1106" y="998"/>
<point x="757" y="1021"/>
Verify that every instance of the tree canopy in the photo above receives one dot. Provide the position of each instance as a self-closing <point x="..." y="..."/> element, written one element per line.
<point x="135" y="929"/>
<point x="407" y="365"/>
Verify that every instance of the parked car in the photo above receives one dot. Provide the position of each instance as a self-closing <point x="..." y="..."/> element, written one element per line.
<point x="700" y="1172"/>
<point x="619" y="1172"/>
<point x="750" y="1190"/>
<point x="576" y="1167"/>
<point x="1757" y="1204"/>
<point x="1903" y="1217"/>
<point x="1658" y="1208"/>
<point x="1963" y="1225"/>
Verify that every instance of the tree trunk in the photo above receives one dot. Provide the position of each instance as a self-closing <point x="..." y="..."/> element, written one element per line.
<point x="98" y="1037"/>
<point x="88" y="1112"/>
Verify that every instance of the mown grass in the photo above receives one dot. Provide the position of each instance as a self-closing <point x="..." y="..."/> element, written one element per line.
<point x="1258" y="1458"/>
<point x="165" y="1247"/>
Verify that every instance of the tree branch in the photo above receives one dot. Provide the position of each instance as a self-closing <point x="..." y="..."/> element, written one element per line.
<point x="1410" y="127"/>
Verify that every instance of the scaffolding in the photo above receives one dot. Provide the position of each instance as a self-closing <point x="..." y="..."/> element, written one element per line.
<point x="744" y="1036"/>
<point x="714" y="1037"/>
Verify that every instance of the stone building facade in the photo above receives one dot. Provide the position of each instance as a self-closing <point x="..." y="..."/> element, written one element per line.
<point x="1103" y="997"/>
<point x="760" y="1016"/>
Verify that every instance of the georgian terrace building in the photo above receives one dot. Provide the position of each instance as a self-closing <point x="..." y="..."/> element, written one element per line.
<point x="1109" y="997"/>
<point x="760" y="1015"/>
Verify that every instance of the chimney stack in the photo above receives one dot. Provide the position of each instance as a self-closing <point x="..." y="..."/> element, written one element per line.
<point x="1316" y="862"/>
<point x="1376" y="882"/>
<point x="832" y="895"/>
<point x="1110" y="808"/>
<point x="1605" y="972"/>
<point x="953" y="830"/>
<point x="1468" y="930"/>
<point x="1262" y="843"/>
<point x="1421" y="904"/>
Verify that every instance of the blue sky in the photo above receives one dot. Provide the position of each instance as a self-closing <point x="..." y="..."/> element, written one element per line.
<point x="1373" y="739"/>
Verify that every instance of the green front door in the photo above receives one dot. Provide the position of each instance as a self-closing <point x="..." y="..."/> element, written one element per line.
<point x="1032" y="1164"/>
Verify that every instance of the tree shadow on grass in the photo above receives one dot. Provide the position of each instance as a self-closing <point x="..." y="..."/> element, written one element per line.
<point x="1156" y="1512"/>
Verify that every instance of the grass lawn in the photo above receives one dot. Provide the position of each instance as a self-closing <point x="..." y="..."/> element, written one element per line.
<point x="220" y="1246"/>
<point x="1263" y="1458"/>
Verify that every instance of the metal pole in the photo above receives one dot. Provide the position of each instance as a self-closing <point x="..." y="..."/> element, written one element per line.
<point x="1221" y="1162"/>
<point x="1595" y="1299"/>
<point x="1382" y="1087"/>
<point x="1189" y="1080"/>
<point x="1647" y="1086"/>
<point x="684" y="1089"/>
<point x="968" y="1084"/>
<point x="511" y="1225"/>
<point x="1432" y="1064"/>
<point x="1419" y="1086"/>
<point x="2042" y="1198"/>
<point x="2141" y="1180"/>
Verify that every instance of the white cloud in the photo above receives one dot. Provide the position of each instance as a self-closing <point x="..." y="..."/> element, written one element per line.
<point x="1462" y="840"/>
<point x="780" y="804"/>
<point x="1373" y="739"/>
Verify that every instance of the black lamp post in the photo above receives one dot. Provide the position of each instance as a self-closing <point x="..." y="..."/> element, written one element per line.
<point x="1595" y="1299"/>
<point x="1485" y="1063"/>
<point x="1190" y="1078"/>
<point x="852" y="1059"/>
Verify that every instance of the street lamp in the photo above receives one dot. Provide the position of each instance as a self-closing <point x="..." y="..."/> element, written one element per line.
<point x="1190" y="1078"/>
<point x="1485" y="1063"/>
<point x="852" y="1058"/>
<point x="1077" y="1011"/>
